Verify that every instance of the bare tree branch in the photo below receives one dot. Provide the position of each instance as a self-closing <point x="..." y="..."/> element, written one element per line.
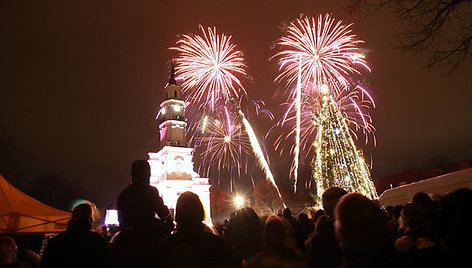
<point x="440" y="30"/>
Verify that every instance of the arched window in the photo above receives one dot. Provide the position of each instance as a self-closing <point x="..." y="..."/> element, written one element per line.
<point x="175" y="93"/>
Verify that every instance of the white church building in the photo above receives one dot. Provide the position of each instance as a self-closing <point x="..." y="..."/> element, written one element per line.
<point x="172" y="170"/>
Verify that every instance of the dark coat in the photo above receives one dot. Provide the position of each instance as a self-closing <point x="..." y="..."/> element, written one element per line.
<point x="138" y="204"/>
<point x="196" y="248"/>
<point x="323" y="248"/>
<point x="76" y="247"/>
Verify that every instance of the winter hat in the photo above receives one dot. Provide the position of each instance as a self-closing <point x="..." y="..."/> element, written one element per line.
<point x="331" y="197"/>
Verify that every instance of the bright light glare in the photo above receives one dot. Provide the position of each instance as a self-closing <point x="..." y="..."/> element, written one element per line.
<point x="239" y="201"/>
<point x="227" y="138"/>
<point x="111" y="217"/>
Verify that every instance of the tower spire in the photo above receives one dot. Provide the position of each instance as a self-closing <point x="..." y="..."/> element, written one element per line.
<point x="172" y="75"/>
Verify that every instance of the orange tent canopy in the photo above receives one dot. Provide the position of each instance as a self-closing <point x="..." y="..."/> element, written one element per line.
<point x="20" y="213"/>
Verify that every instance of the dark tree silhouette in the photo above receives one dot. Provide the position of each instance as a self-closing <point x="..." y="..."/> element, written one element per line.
<point x="439" y="30"/>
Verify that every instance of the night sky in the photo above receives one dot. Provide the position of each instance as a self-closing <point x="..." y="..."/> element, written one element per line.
<point x="81" y="82"/>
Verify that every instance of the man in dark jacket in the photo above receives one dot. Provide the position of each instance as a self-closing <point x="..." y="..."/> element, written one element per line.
<point x="77" y="246"/>
<point x="141" y="230"/>
<point x="140" y="202"/>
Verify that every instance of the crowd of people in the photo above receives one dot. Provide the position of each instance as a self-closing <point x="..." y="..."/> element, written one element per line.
<point x="349" y="231"/>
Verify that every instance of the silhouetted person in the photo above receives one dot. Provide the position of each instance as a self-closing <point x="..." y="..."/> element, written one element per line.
<point x="316" y="215"/>
<point x="32" y="258"/>
<point x="244" y="231"/>
<point x="191" y="245"/>
<point x="140" y="230"/>
<point x="9" y="251"/>
<point x="389" y="212"/>
<point x="322" y="247"/>
<point x="77" y="246"/>
<point x="361" y="229"/>
<point x="139" y="203"/>
<point x="416" y="247"/>
<point x="287" y="215"/>
<point x="304" y="228"/>
<point x="456" y="227"/>
<point x="279" y="249"/>
<point x="422" y="199"/>
<point x="397" y="211"/>
<point x="395" y="222"/>
<point x="9" y="254"/>
<point x="430" y="213"/>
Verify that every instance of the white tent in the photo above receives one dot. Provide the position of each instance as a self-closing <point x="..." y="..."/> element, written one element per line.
<point x="438" y="185"/>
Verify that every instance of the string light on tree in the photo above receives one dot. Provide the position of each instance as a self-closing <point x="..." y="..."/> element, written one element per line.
<point x="338" y="162"/>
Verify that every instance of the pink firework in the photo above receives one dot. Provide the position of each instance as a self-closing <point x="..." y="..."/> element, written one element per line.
<point x="209" y="64"/>
<point x="326" y="51"/>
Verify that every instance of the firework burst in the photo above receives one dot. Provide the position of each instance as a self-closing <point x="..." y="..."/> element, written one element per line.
<point x="223" y="143"/>
<point x="326" y="51"/>
<point x="209" y="66"/>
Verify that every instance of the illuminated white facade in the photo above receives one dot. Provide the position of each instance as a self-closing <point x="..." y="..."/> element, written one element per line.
<point x="172" y="167"/>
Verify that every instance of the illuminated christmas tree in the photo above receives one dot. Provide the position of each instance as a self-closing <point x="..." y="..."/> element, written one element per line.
<point x="338" y="162"/>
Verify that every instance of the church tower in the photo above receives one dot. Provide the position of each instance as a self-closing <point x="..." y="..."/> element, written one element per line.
<point x="173" y="125"/>
<point x="172" y="166"/>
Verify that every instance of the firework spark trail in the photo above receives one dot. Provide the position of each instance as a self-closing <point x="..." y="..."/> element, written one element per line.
<point x="205" y="120"/>
<point x="297" y="135"/>
<point x="230" y="127"/>
<point x="367" y="93"/>
<point x="259" y="154"/>
<point x="360" y="112"/>
<point x="208" y="65"/>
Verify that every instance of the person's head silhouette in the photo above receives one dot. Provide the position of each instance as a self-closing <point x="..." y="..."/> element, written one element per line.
<point x="140" y="172"/>
<point x="360" y="224"/>
<point x="83" y="214"/>
<point x="189" y="212"/>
